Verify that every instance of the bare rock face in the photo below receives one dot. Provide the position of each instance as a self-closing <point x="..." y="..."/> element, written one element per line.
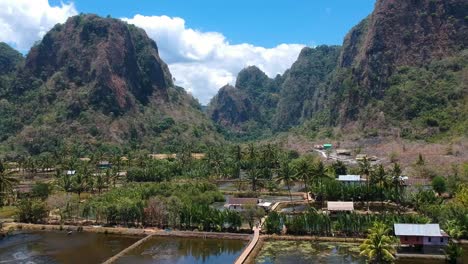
<point x="401" y="33"/>
<point x="117" y="62"/>
<point x="231" y="107"/>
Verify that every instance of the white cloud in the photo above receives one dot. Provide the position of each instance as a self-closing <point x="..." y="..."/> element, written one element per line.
<point x="22" y="22"/>
<point x="202" y="62"/>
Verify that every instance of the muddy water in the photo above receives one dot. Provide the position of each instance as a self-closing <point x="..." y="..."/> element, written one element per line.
<point x="185" y="251"/>
<point x="299" y="252"/>
<point x="60" y="248"/>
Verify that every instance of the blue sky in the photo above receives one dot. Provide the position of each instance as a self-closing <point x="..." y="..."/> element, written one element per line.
<point x="260" y="22"/>
<point x="204" y="42"/>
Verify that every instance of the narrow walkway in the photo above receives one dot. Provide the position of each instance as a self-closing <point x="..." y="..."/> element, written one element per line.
<point x="241" y="259"/>
<point x="126" y="250"/>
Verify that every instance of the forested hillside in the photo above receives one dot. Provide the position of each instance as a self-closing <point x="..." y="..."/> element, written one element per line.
<point x="401" y="70"/>
<point x="95" y="83"/>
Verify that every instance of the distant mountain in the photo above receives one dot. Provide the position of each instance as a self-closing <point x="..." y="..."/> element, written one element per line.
<point x="97" y="82"/>
<point x="398" y="33"/>
<point x="10" y="61"/>
<point x="301" y="93"/>
<point x="248" y="107"/>
<point x="403" y="68"/>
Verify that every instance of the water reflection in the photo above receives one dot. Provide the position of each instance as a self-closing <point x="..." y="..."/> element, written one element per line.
<point x="59" y="248"/>
<point x="185" y="251"/>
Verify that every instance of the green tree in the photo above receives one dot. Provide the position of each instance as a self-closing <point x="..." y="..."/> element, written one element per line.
<point x="41" y="190"/>
<point x="439" y="185"/>
<point x="453" y="251"/>
<point x="6" y="183"/>
<point x="365" y="169"/>
<point x="273" y="223"/>
<point x="303" y="171"/>
<point x="381" y="181"/>
<point x="31" y="211"/>
<point x="251" y="214"/>
<point x="397" y="183"/>
<point x="286" y="176"/>
<point x="379" y="247"/>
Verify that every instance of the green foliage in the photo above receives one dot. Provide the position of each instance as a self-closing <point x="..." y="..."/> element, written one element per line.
<point x="176" y="205"/>
<point x="41" y="190"/>
<point x="439" y="184"/>
<point x="273" y="223"/>
<point x="379" y="247"/>
<point x="431" y="98"/>
<point x="298" y="97"/>
<point x="31" y="211"/>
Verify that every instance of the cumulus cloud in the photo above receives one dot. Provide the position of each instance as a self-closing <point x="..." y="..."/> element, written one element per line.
<point x="202" y="62"/>
<point x="22" y="22"/>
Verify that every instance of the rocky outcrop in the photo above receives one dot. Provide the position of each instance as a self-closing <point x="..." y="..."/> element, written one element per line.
<point x="398" y="33"/>
<point x="118" y="62"/>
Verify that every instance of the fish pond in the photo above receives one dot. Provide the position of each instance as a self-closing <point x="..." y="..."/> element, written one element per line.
<point x="185" y="251"/>
<point x="299" y="252"/>
<point x="57" y="247"/>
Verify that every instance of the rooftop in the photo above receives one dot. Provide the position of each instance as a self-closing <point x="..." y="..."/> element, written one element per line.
<point x="340" y="206"/>
<point x="432" y="230"/>
<point x="349" y="177"/>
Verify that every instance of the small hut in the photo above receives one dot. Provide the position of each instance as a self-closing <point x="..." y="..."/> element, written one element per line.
<point x="340" y="206"/>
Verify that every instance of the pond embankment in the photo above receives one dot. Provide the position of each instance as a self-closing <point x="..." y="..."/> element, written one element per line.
<point x="125" y="231"/>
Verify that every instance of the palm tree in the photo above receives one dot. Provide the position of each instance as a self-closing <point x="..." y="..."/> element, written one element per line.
<point x="380" y="180"/>
<point x="100" y="182"/>
<point x="365" y="169"/>
<point x="237" y="162"/>
<point x="397" y="183"/>
<point x="6" y="183"/>
<point x="303" y="171"/>
<point x="79" y="184"/>
<point x="285" y="175"/>
<point x="379" y="247"/>
<point x="319" y="174"/>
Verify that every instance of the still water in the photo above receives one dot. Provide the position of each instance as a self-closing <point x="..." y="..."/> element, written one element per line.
<point x="301" y="252"/>
<point x="60" y="248"/>
<point x="185" y="251"/>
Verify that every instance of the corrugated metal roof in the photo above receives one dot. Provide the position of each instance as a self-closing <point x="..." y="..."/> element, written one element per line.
<point x="417" y="230"/>
<point x="349" y="177"/>
<point x="340" y="206"/>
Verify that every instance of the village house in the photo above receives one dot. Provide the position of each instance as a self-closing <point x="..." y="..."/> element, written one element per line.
<point x="428" y="236"/>
<point x="344" y="152"/>
<point x="350" y="179"/>
<point x="197" y="156"/>
<point x="333" y="207"/>
<point x="104" y="164"/>
<point x="238" y="204"/>
<point x="160" y="156"/>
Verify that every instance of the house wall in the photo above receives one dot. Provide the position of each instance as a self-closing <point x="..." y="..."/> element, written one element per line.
<point x="411" y="240"/>
<point x="435" y="241"/>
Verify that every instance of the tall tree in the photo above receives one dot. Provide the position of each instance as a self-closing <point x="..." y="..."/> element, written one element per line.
<point x="6" y="183"/>
<point x="365" y="169"/>
<point x="379" y="247"/>
<point x="286" y="176"/>
<point x="397" y="183"/>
